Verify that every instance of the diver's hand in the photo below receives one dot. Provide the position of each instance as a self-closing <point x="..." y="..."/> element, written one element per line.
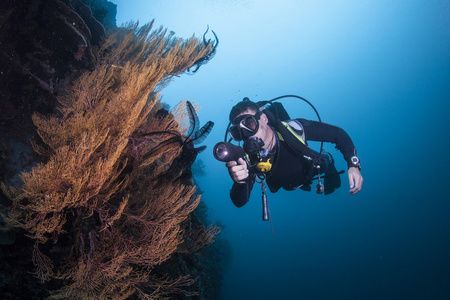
<point x="238" y="170"/>
<point x="355" y="179"/>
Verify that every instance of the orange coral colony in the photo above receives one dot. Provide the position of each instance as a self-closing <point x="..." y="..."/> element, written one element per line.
<point x="111" y="191"/>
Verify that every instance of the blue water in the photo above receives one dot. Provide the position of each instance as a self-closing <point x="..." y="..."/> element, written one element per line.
<point x="380" y="70"/>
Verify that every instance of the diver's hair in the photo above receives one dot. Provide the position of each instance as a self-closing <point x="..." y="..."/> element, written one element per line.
<point x="242" y="106"/>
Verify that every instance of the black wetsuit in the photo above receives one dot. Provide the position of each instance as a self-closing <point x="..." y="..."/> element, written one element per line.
<point x="289" y="171"/>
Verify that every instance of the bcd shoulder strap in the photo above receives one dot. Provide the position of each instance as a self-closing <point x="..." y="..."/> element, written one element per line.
<point x="296" y="129"/>
<point x="286" y="133"/>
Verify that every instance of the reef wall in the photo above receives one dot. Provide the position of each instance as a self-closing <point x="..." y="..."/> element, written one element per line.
<point x="104" y="206"/>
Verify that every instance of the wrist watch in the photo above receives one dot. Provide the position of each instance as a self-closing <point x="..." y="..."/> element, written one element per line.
<point x="355" y="162"/>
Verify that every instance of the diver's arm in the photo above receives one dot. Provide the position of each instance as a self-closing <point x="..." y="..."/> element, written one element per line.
<point x="243" y="181"/>
<point x="317" y="131"/>
<point x="322" y="132"/>
<point x="240" y="192"/>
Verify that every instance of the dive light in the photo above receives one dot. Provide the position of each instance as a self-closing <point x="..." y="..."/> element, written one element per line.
<point x="226" y="152"/>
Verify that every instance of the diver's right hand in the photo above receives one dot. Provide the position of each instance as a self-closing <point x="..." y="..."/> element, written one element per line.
<point x="238" y="170"/>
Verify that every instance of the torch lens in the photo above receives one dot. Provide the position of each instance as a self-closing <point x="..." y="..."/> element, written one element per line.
<point x="221" y="152"/>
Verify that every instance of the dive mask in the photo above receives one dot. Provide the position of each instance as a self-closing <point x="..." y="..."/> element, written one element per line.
<point x="244" y="127"/>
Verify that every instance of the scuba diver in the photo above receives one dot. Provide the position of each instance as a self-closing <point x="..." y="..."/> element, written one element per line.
<point x="275" y="151"/>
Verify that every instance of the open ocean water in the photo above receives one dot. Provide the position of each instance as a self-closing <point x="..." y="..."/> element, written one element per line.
<point x="378" y="69"/>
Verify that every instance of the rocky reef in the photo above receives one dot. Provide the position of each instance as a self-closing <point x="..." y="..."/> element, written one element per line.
<point x="98" y="200"/>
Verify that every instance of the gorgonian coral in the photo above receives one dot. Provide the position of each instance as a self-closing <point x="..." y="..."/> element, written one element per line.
<point x="104" y="211"/>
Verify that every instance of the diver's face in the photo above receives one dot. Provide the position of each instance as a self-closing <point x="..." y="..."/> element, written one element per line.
<point x="263" y="128"/>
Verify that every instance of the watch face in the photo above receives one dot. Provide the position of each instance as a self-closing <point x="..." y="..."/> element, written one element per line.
<point x="355" y="160"/>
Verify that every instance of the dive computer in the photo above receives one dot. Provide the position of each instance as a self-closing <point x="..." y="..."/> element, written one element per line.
<point x="355" y="162"/>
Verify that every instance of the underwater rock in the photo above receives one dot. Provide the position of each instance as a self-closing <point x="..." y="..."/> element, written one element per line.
<point x="44" y="46"/>
<point x="40" y="55"/>
<point x="94" y="214"/>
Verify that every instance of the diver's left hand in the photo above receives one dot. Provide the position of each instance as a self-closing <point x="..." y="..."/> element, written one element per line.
<point x="355" y="179"/>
